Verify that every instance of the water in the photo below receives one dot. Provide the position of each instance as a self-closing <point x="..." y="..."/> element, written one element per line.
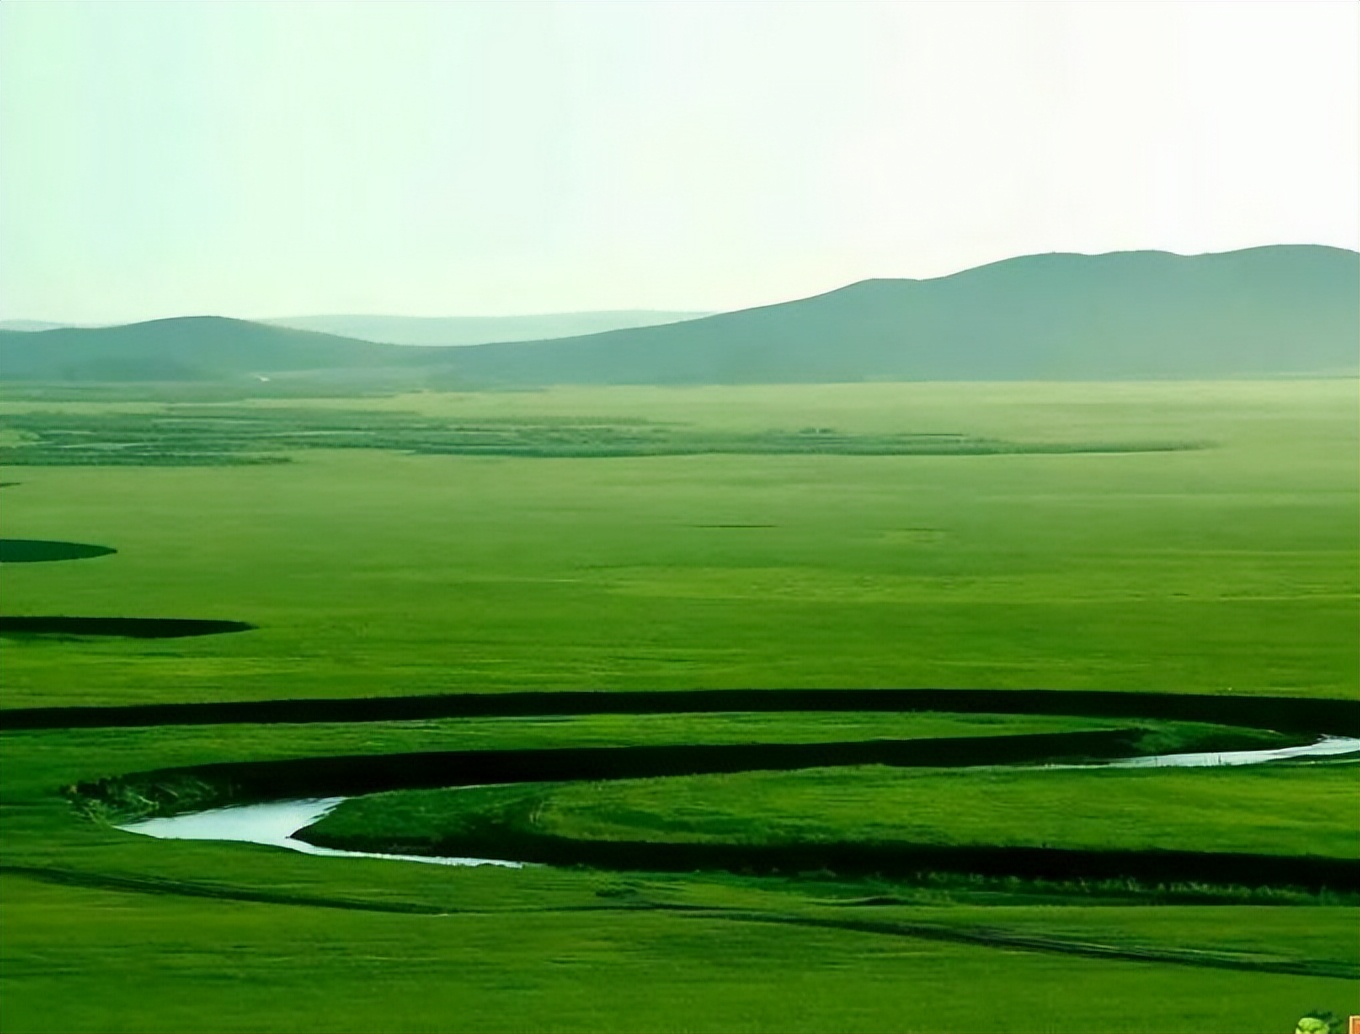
<point x="1325" y="747"/>
<point x="274" y="823"/>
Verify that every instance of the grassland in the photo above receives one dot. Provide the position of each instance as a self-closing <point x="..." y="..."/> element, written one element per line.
<point x="1291" y="810"/>
<point x="1227" y="567"/>
<point x="373" y="573"/>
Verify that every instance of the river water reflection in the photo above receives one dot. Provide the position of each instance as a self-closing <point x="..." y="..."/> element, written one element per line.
<point x="275" y="822"/>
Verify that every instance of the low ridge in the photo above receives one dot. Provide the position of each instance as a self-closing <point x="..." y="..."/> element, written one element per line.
<point x="479" y="330"/>
<point x="1280" y="310"/>
<point x="1262" y="311"/>
<point x="179" y="349"/>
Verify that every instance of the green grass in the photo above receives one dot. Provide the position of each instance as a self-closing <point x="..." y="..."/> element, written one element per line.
<point x="1230" y="569"/>
<point x="373" y="573"/>
<point x="1291" y="810"/>
<point x="236" y="969"/>
<point x="61" y="758"/>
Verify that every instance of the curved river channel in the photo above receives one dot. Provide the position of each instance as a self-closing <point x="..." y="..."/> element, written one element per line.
<point x="274" y="823"/>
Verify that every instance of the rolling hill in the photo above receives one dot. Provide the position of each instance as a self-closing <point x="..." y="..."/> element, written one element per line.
<point x="192" y="348"/>
<point x="1281" y="310"/>
<point x="1261" y="311"/>
<point x="479" y="330"/>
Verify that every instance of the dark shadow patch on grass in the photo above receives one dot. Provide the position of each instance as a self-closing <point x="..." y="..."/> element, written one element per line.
<point x="29" y="551"/>
<point x="1308" y="716"/>
<point x="174" y="790"/>
<point x="887" y="860"/>
<point x="126" y="628"/>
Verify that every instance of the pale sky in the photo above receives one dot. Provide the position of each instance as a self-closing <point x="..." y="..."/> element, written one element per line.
<point x="274" y="158"/>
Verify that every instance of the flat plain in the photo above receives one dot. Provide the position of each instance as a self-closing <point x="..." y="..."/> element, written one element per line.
<point x="1144" y="538"/>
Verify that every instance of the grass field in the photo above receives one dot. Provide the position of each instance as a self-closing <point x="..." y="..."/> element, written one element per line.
<point x="1285" y="810"/>
<point x="1226" y="567"/>
<point x="1229" y="568"/>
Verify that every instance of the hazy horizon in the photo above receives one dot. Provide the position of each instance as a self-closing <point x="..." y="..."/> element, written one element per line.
<point x="484" y="160"/>
<point x="384" y="315"/>
<point x="510" y="317"/>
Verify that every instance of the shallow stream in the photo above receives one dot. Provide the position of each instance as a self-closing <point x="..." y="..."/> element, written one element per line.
<point x="275" y="822"/>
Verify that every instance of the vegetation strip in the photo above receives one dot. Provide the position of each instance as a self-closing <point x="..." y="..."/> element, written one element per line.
<point x="1315" y="716"/>
<point x="184" y="435"/>
<point x="907" y="859"/>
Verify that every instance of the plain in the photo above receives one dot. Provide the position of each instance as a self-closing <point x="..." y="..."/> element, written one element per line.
<point x="1226" y="568"/>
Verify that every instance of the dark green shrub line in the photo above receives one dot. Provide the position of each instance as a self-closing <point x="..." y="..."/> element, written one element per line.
<point x="162" y="792"/>
<point x="118" y="799"/>
<point x="511" y="838"/>
<point x="924" y="887"/>
<point x="206" y="435"/>
<point x="1294" y="715"/>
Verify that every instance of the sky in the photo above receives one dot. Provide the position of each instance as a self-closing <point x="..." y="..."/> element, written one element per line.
<point x="261" y="159"/>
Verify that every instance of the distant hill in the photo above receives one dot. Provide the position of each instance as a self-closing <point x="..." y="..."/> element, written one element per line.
<point x="1284" y="310"/>
<point x="1288" y="309"/>
<point x="187" y="348"/>
<point x="478" y="330"/>
<point x="29" y="325"/>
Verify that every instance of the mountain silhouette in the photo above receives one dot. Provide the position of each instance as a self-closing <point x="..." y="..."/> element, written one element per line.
<point x="479" y="330"/>
<point x="183" y="348"/>
<point x="1263" y="311"/>
<point x="1281" y="310"/>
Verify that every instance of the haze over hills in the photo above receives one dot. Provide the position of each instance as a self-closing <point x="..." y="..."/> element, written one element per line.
<point x="1262" y="311"/>
<point x="189" y="348"/>
<point x="29" y="325"/>
<point x="1281" y="310"/>
<point x="479" y="330"/>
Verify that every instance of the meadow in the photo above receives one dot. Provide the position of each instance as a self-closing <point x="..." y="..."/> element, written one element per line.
<point x="1294" y="810"/>
<point x="1143" y="538"/>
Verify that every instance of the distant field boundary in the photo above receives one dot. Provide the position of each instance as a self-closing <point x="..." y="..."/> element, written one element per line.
<point x="1282" y="714"/>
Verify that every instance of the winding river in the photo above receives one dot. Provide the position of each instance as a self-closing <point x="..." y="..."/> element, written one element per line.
<point x="274" y="823"/>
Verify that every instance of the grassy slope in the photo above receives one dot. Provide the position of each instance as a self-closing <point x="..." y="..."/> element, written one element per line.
<point x="375" y="574"/>
<point x="1287" y="811"/>
<point x="371" y="573"/>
